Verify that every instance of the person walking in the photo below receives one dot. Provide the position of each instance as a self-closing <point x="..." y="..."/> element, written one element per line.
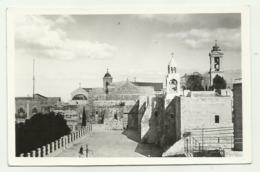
<point x="87" y="150"/>
<point x="80" y="151"/>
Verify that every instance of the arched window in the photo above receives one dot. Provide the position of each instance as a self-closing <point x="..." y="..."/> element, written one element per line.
<point x="79" y="97"/>
<point x="21" y="110"/>
<point x="115" y="116"/>
<point x="34" y="110"/>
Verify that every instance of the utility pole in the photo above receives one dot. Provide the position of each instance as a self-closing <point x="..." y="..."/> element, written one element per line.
<point x="33" y="77"/>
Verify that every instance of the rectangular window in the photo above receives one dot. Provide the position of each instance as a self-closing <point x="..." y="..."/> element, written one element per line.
<point x="156" y="114"/>
<point x="216" y="118"/>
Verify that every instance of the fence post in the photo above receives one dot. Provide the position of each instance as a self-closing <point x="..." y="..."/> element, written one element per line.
<point x="52" y="147"/>
<point x="77" y="135"/>
<point x="28" y="154"/>
<point x="70" y="139"/>
<point x="60" y="142"/>
<point x="64" y="142"/>
<point x="56" y="145"/>
<point x="38" y="152"/>
<point x="202" y="139"/>
<point x="48" y="149"/>
<point x="22" y="155"/>
<point x="231" y="142"/>
<point x="33" y="153"/>
<point x="43" y="151"/>
<point x="187" y="143"/>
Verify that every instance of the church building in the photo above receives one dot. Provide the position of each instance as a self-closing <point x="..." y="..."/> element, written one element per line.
<point x="116" y="103"/>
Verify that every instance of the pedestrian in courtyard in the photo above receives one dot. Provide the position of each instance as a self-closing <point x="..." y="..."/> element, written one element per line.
<point x="87" y="150"/>
<point x="80" y="151"/>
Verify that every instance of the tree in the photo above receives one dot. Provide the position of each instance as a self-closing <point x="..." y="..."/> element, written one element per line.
<point x="194" y="83"/>
<point x="39" y="130"/>
<point x="83" y="118"/>
<point x="219" y="83"/>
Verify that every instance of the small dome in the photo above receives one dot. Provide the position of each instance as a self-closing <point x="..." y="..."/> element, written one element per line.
<point x="107" y="75"/>
<point x="215" y="47"/>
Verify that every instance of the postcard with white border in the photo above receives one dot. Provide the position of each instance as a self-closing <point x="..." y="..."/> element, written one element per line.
<point x="128" y="86"/>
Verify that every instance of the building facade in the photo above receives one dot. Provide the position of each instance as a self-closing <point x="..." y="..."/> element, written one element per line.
<point x="117" y="104"/>
<point x="26" y="107"/>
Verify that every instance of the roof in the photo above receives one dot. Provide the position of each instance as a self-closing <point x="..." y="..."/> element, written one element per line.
<point x="27" y="98"/>
<point x="54" y="98"/>
<point x="87" y="89"/>
<point x="158" y="86"/>
<point x="36" y="94"/>
<point x="107" y="75"/>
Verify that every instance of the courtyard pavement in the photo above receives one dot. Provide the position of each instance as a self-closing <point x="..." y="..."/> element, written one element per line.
<point x="113" y="144"/>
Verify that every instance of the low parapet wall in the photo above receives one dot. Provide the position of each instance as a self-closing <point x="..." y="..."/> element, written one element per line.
<point x="58" y="145"/>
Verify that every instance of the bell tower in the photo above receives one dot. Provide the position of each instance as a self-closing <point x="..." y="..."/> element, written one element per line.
<point x="107" y="80"/>
<point x="216" y="62"/>
<point x="172" y="80"/>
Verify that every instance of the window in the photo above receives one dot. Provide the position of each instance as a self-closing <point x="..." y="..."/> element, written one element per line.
<point x="172" y="115"/>
<point x="79" y="97"/>
<point x="34" y="110"/>
<point x="115" y="116"/>
<point x="216" y="118"/>
<point x="156" y="114"/>
<point x="21" y="110"/>
<point x="216" y="65"/>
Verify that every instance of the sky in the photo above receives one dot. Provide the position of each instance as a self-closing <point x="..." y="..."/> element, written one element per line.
<point x="76" y="50"/>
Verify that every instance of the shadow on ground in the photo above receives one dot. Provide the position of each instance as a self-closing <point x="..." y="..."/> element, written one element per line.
<point x="148" y="150"/>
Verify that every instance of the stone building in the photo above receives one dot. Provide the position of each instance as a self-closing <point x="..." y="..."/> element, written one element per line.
<point x="168" y="117"/>
<point x="237" y="112"/>
<point x="117" y="104"/>
<point x="26" y="107"/>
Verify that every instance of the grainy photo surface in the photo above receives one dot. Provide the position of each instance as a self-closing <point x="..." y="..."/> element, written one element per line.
<point x="128" y="85"/>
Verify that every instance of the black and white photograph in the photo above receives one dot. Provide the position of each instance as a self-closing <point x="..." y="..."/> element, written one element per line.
<point x="146" y="86"/>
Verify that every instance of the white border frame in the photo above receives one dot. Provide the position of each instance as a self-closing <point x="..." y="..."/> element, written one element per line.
<point x="64" y="161"/>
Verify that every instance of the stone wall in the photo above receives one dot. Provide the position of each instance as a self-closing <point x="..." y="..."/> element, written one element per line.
<point x="195" y="111"/>
<point x="171" y="123"/>
<point x="238" y="129"/>
<point x="200" y="112"/>
<point x="117" y="114"/>
<point x="151" y="119"/>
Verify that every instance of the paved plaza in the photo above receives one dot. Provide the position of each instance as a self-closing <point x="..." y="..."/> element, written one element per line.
<point x="113" y="144"/>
